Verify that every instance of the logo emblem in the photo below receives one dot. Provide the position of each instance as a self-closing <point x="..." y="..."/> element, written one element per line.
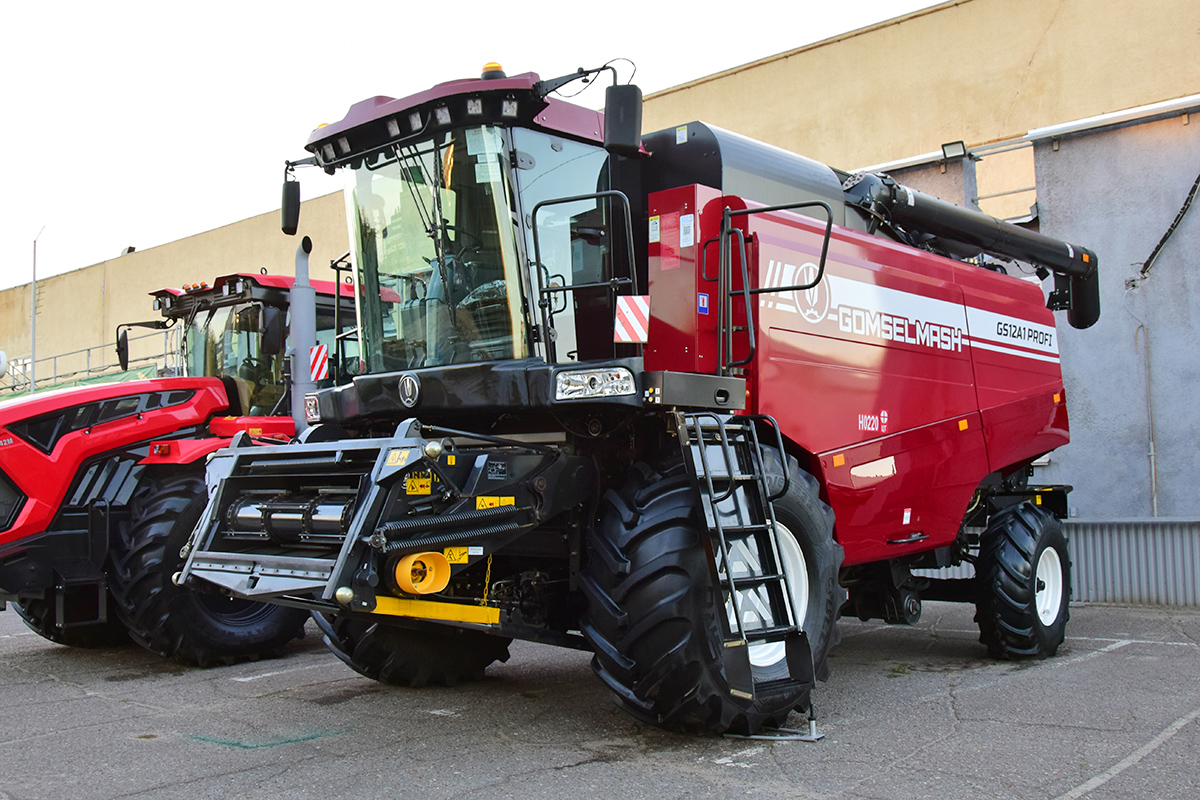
<point x="410" y="390"/>
<point x="813" y="304"/>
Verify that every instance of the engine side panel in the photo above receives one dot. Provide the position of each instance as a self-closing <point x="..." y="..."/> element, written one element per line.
<point x="43" y="466"/>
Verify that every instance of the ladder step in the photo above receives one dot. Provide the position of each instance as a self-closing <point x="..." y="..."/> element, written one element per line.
<point x="770" y="634"/>
<point x="720" y="479"/>
<point x="751" y="580"/>
<point x="738" y="530"/>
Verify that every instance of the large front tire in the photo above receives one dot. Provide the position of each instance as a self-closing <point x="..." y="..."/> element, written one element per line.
<point x="1023" y="584"/>
<point x="173" y="621"/>
<point x="654" y="616"/>
<point x="411" y="656"/>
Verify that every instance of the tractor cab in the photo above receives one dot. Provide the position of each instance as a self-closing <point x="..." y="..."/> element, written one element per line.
<point x="453" y="195"/>
<point x="235" y="330"/>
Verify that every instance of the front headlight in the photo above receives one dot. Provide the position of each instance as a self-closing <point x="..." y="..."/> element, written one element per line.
<point x="587" y="383"/>
<point x="312" y="409"/>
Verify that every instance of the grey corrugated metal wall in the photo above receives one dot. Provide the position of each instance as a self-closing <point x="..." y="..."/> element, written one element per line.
<point x="1148" y="561"/>
<point x="1142" y="562"/>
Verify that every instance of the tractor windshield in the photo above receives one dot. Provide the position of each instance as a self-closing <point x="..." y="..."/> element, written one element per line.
<point x="436" y="244"/>
<point x="226" y="342"/>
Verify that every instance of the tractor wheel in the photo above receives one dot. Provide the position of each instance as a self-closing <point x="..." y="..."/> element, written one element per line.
<point x="411" y="656"/>
<point x="1023" y="584"/>
<point x="654" y="616"/>
<point x="39" y="615"/>
<point x="191" y="627"/>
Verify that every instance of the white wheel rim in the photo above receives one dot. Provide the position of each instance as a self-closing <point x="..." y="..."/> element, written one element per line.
<point x="796" y="568"/>
<point x="1048" y="593"/>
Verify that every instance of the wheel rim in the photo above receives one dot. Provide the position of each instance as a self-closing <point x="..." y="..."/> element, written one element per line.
<point x="1049" y="591"/>
<point x="754" y="605"/>
<point x="233" y="611"/>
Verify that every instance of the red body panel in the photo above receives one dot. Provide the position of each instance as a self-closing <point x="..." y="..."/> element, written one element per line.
<point x="681" y="337"/>
<point x="273" y="427"/>
<point x="909" y="377"/>
<point x="188" y="451"/>
<point x="182" y="451"/>
<point x="45" y="477"/>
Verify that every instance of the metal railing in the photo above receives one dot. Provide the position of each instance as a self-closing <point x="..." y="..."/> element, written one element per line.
<point x="161" y="349"/>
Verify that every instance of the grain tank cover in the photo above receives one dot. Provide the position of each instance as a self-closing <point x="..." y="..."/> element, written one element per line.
<point x="737" y="165"/>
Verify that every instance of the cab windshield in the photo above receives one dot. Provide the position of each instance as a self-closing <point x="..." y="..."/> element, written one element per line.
<point x="226" y="342"/>
<point x="435" y="238"/>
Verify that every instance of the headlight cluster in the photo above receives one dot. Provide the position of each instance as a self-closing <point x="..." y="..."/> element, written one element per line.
<point x="587" y="383"/>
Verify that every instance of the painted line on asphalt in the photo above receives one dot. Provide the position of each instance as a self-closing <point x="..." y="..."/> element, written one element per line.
<point x="261" y="675"/>
<point x="1058" y="663"/>
<point x="975" y="632"/>
<point x="1054" y="663"/>
<point x="1143" y="751"/>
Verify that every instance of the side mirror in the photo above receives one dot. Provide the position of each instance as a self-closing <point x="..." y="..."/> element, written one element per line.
<point x="623" y="120"/>
<point x="123" y="348"/>
<point x="271" y="327"/>
<point x="290" y="209"/>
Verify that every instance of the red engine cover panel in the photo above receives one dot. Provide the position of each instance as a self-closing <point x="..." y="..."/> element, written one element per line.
<point x="909" y="377"/>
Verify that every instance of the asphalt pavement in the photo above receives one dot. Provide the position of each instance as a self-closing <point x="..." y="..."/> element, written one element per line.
<point x="909" y="712"/>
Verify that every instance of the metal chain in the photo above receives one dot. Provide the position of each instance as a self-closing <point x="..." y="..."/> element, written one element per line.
<point x="487" y="582"/>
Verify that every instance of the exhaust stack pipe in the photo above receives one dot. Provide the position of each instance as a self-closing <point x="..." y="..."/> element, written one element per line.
<point x="302" y="334"/>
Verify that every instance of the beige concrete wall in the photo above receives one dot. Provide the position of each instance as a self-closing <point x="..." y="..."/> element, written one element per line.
<point x="81" y="308"/>
<point x="975" y="70"/>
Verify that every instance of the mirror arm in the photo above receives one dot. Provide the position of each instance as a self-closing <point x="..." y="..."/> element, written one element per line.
<point x="543" y="88"/>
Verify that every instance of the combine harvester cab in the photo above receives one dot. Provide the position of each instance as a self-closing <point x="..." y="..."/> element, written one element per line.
<point x="103" y="484"/>
<point x="678" y="400"/>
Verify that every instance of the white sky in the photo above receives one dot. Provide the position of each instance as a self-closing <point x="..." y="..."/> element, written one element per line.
<point x="139" y="123"/>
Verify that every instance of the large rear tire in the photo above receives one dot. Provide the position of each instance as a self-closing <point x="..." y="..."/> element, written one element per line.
<point x="40" y="615"/>
<point x="172" y="621"/>
<point x="1023" y="580"/>
<point x="654" y="616"/>
<point x="411" y="656"/>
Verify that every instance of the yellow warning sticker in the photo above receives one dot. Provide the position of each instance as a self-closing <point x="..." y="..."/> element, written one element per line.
<point x="456" y="555"/>
<point x="418" y="483"/>
<point x="399" y="457"/>
<point x="482" y="502"/>
<point x="450" y="461"/>
<point x="256" y="431"/>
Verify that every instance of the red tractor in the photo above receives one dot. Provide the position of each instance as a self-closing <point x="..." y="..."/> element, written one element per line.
<point x="679" y="400"/>
<point x="100" y="486"/>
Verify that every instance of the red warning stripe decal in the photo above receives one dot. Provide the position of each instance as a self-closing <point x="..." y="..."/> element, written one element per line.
<point x="632" y="319"/>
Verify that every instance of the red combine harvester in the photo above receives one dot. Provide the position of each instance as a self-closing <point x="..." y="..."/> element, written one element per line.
<point x="679" y="400"/>
<point x="100" y="486"/>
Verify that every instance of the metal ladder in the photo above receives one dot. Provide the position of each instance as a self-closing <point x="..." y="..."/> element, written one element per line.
<point x="724" y="456"/>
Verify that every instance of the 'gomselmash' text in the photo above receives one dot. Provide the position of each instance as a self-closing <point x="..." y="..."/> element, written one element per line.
<point x="894" y="328"/>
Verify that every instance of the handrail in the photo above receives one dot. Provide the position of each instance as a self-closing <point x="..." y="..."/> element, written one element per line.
<point x="725" y="277"/>
<point x="612" y="284"/>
